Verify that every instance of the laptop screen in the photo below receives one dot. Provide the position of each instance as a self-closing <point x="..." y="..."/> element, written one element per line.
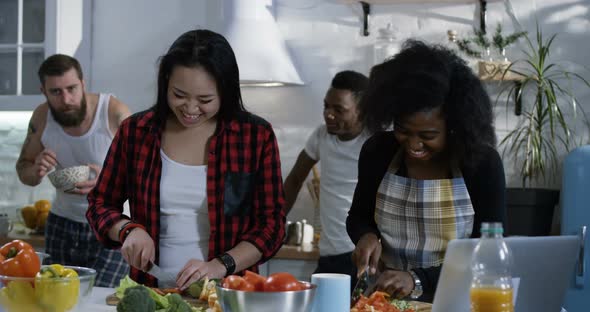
<point x="544" y="266"/>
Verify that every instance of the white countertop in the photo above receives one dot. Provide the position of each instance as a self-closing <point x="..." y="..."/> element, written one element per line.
<point x="97" y="300"/>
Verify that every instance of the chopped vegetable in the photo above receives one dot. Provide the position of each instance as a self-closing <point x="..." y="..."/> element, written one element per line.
<point x="127" y="282"/>
<point x="379" y="302"/>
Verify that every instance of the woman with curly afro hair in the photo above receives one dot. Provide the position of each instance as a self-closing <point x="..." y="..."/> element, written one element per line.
<point x="429" y="174"/>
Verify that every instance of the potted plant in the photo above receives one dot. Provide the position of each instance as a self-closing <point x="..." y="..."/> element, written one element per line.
<point x="550" y="116"/>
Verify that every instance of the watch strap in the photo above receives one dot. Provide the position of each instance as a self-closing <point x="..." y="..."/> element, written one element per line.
<point x="228" y="261"/>
<point x="417" y="291"/>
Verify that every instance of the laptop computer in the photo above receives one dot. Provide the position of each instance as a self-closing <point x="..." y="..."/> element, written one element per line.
<point x="545" y="266"/>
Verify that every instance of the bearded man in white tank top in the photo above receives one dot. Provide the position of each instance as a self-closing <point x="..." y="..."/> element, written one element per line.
<point x="72" y="128"/>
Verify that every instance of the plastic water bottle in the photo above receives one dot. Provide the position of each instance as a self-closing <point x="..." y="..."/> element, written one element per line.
<point x="491" y="287"/>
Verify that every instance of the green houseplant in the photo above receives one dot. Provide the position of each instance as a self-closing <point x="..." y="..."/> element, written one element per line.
<point x="550" y="113"/>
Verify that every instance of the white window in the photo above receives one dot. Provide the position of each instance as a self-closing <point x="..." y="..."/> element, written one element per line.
<point x="28" y="34"/>
<point x="22" y="45"/>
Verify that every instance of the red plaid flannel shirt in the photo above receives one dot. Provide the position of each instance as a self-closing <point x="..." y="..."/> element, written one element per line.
<point x="244" y="186"/>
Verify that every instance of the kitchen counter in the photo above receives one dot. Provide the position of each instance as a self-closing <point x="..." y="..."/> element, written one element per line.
<point x="287" y="252"/>
<point x="307" y="252"/>
<point x="97" y="300"/>
<point x="36" y="240"/>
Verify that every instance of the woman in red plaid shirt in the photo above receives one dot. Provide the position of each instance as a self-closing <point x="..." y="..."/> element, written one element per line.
<point x="202" y="175"/>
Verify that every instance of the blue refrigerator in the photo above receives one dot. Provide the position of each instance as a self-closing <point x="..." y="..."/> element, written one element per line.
<point x="575" y="207"/>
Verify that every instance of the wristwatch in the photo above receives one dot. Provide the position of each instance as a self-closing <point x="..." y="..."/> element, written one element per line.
<point x="417" y="291"/>
<point x="228" y="261"/>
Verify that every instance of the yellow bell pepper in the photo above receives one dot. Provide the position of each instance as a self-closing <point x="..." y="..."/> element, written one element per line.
<point x="18" y="296"/>
<point x="57" y="288"/>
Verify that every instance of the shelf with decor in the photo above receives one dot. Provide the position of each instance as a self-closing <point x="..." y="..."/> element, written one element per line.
<point x="366" y="6"/>
<point x="496" y="71"/>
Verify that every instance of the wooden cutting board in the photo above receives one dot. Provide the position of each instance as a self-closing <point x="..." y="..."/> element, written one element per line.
<point x="112" y="300"/>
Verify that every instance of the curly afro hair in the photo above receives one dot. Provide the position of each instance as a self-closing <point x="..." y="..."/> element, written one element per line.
<point x="422" y="77"/>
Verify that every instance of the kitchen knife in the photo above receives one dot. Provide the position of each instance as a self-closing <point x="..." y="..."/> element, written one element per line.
<point x="165" y="279"/>
<point x="361" y="286"/>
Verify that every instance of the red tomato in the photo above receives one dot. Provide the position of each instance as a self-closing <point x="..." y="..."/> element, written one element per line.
<point x="237" y="283"/>
<point x="255" y="279"/>
<point x="282" y="281"/>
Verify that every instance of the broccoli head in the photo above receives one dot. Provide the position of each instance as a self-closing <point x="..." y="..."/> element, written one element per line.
<point x="136" y="299"/>
<point x="177" y="304"/>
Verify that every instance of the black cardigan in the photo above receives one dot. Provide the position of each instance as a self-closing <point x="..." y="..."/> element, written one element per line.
<point x="486" y="186"/>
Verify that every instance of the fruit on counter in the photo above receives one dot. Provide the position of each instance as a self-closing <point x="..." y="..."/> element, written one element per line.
<point x="41" y="220"/>
<point x="42" y="205"/>
<point x="18" y="259"/>
<point x="57" y="288"/>
<point x="29" y="214"/>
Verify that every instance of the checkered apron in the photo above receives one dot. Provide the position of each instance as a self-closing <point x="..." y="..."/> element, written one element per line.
<point x="417" y="218"/>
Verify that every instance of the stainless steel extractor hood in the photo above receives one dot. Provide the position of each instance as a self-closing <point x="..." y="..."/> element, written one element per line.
<point x="263" y="58"/>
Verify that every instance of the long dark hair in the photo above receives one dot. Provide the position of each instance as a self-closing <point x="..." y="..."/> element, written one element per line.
<point x="211" y="51"/>
<point x="422" y="77"/>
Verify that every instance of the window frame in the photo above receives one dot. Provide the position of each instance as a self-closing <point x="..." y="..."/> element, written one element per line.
<point x="26" y="102"/>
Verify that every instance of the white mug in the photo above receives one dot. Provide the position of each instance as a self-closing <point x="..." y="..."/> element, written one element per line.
<point x="332" y="293"/>
<point x="5" y="224"/>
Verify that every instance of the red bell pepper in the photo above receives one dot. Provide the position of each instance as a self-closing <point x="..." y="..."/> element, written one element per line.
<point x="18" y="259"/>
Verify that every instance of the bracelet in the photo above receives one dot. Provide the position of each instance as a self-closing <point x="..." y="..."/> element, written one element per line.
<point x="127" y="229"/>
<point x="122" y="228"/>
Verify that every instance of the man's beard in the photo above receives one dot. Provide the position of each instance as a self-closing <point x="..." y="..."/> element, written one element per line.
<point x="71" y="119"/>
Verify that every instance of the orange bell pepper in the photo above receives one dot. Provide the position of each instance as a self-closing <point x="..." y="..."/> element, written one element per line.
<point x="18" y="259"/>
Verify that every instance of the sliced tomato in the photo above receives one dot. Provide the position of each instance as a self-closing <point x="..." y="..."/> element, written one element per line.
<point x="282" y="281"/>
<point x="255" y="279"/>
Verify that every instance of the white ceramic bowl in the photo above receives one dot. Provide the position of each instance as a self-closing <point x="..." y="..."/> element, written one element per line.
<point x="258" y="301"/>
<point x="65" y="179"/>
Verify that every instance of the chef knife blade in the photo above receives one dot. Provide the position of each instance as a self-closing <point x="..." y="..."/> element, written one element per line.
<point x="165" y="279"/>
<point x="361" y="286"/>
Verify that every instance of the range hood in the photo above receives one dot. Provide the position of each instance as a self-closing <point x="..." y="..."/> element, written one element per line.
<point x="262" y="55"/>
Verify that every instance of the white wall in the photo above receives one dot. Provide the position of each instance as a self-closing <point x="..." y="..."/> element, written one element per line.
<point x="324" y="37"/>
<point x="127" y="39"/>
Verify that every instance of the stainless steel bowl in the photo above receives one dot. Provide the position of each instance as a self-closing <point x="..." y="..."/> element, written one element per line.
<point x="258" y="301"/>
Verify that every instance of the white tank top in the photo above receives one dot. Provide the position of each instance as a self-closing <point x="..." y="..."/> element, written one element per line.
<point x="90" y="147"/>
<point x="184" y="217"/>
